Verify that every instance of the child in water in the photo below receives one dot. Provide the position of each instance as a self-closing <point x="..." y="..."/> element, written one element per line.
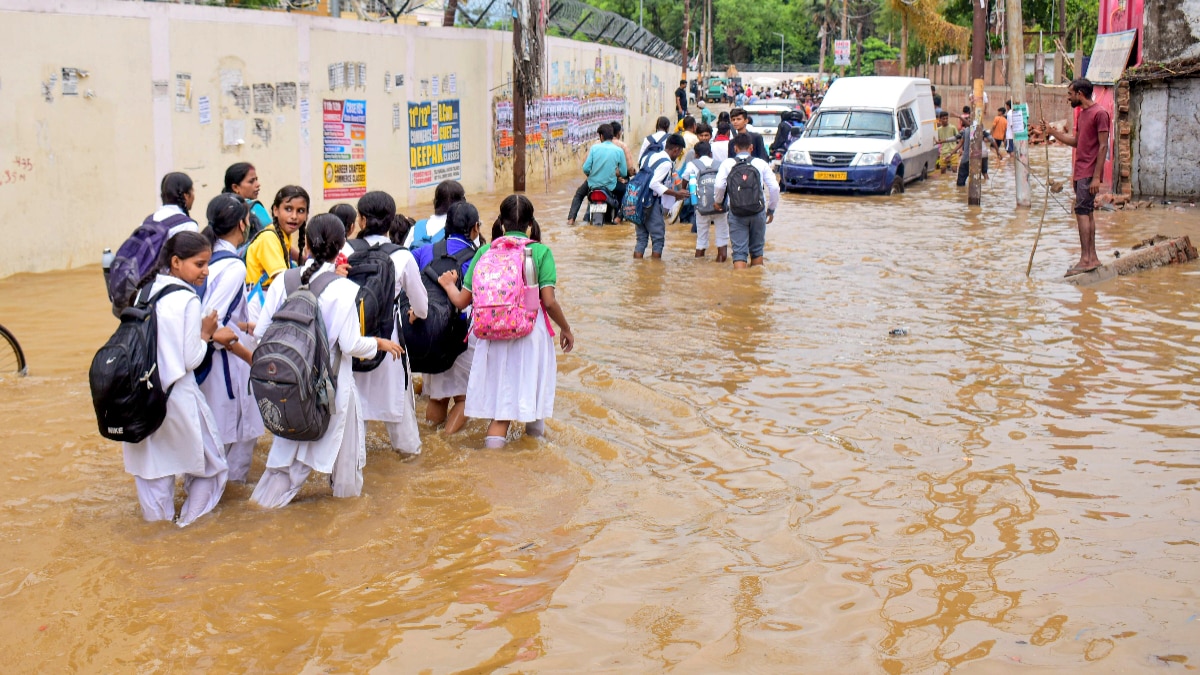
<point x="226" y="384"/>
<point x="342" y="451"/>
<point x="273" y="250"/>
<point x="514" y="380"/>
<point x="188" y="443"/>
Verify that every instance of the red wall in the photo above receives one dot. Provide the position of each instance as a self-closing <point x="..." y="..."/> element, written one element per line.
<point x="1117" y="16"/>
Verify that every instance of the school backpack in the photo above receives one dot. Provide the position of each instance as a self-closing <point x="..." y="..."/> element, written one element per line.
<point x="638" y="195"/>
<point x="654" y="146"/>
<point x="136" y="257"/>
<point x="205" y="366"/>
<point x="291" y="376"/>
<point x="433" y="343"/>
<point x="745" y="189"/>
<point x="706" y="188"/>
<point x="421" y="236"/>
<point x="505" y="295"/>
<point x="127" y="394"/>
<point x="372" y="269"/>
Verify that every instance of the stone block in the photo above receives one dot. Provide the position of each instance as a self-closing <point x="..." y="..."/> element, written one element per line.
<point x="1151" y="253"/>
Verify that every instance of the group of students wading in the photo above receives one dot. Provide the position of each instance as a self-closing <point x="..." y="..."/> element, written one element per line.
<point x="268" y="320"/>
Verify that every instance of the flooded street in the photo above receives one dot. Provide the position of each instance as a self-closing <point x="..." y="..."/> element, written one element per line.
<point x="745" y="474"/>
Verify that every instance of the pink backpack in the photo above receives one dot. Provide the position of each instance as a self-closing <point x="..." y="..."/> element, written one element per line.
<point x="505" y="295"/>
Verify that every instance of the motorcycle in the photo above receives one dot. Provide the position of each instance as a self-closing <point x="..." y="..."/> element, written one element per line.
<point x="600" y="201"/>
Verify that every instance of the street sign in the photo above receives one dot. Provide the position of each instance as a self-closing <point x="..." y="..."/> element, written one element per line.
<point x="841" y="52"/>
<point x="1110" y="56"/>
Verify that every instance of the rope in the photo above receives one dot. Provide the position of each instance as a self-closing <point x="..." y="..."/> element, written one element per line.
<point x="1046" y="202"/>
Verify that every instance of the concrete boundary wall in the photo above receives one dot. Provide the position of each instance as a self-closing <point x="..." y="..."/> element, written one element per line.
<point x="79" y="171"/>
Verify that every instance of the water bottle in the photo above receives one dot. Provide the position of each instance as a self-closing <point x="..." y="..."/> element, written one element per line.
<point x="106" y="261"/>
<point x="692" y="189"/>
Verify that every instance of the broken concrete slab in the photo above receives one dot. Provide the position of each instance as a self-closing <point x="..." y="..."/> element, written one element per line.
<point x="1151" y="253"/>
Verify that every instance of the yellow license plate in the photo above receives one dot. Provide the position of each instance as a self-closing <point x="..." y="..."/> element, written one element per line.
<point x="829" y="175"/>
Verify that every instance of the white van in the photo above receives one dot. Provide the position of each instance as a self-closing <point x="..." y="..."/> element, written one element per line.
<point x="871" y="134"/>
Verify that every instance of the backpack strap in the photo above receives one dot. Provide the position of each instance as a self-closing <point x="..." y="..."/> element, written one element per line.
<point x="420" y="233"/>
<point x="291" y="280"/>
<point x="318" y="285"/>
<point x="359" y="245"/>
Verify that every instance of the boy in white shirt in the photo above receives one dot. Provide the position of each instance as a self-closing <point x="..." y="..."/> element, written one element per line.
<point x="749" y="213"/>
<point x="702" y="163"/>
<point x="662" y="184"/>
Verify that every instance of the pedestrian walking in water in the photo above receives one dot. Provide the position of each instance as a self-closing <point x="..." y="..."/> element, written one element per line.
<point x="225" y="383"/>
<point x="661" y="183"/>
<point x="512" y="378"/>
<point x="740" y="121"/>
<point x="341" y="451"/>
<point x="655" y="141"/>
<point x="709" y="212"/>
<point x="446" y="297"/>
<point x="385" y="391"/>
<point x="274" y="249"/>
<point x="1092" y="128"/>
<point x="429" y="230"/>
<point x="681" y="100"/>
<point x="744" y="179"/>
<point x="188" y="442"/>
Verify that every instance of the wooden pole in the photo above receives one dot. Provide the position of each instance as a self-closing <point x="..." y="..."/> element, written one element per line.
<point x="1015" y="27"/>
<point x="518" y="104"/>
<point x="687" y="35"/>
<point x="975" y="183"/>
<point x="845" y="28"/>
<point x="904" y="42"/>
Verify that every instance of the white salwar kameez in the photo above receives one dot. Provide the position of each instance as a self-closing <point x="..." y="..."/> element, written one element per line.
<point x="342" y="451"/>
<point x="383" y="392"/>
<point x="188" y="442"/>
<point x="514" y="380"/>
<point x="238" y="420"/>
<point x="453" y="382"/>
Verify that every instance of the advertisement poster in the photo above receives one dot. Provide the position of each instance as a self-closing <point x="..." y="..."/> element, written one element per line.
<point x="434" y="142"/>
<point x="345" y="131"/>
<point x="841" y="52"/>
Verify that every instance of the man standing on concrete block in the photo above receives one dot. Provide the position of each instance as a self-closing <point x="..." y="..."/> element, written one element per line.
<point x="1092" y="128"/>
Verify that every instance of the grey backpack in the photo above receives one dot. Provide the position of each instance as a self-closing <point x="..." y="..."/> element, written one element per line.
<point x="290" y="375"/>
<point x="706" y="188"/>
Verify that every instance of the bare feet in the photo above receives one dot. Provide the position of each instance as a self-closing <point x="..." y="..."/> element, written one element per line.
<point x="656" y="256"/>
<point x="739" y="264"/>
<point x="756" y="262"/>
<point x="637" y="256"/>
<point x="722" y="253"/>
<point x="700" y="253"/>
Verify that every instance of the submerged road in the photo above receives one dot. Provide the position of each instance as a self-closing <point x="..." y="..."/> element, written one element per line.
<point x="745" y="473"/>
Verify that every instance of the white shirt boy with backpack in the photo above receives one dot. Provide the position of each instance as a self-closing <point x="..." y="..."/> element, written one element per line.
<point x="704" y="170"/>
<point x="748" y="187"/>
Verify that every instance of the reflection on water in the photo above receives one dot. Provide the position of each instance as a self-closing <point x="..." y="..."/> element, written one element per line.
<point x="745" y="473"/>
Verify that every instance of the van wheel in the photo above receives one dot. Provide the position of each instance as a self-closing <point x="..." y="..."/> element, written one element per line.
<point x="897" y="185"/>
<point x="925" y="172"/>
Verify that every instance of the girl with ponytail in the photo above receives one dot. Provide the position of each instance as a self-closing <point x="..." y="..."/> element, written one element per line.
<point x="226" y="384"/>
<point x="386" y="392"/>
<point x="188" y="442"/>
<point x="514" y="380"/>
<point x="342" y="451"/>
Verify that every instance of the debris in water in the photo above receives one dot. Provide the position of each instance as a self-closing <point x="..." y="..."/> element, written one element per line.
<point x="898" y="332"/>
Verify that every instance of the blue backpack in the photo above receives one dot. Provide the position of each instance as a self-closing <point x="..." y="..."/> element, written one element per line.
<point x="421" y="236"/>
<point x="638" y="195"/>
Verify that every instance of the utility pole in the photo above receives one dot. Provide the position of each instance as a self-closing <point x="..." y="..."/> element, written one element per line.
<point x="518" y="95"/>
<point x="975" y="184"/>
<point x="845" y="27"/>
<point x="1062" y="29"/>
<point x="780" y="52"/>
<point x="1015" y="25"/>
<point x="687" y="34"/>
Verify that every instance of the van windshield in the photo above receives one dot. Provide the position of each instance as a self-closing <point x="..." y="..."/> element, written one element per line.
<point x="859" y="123"/>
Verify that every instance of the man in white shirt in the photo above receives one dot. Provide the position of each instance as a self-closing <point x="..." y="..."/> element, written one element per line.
<point x="1010" y="144"/>
<point x="662" y="130"/>
<point x="662" y="185"/>
<point x="749" y="212"/>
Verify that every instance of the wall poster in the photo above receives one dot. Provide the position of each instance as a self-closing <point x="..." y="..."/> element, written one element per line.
<point x="434" y="142"/>
<point x="345" y="154"/>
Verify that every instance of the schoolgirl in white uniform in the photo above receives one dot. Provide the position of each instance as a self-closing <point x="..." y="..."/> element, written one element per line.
<point x="225" y="385"/>
<point x="342" y="451"/>
<point x="386" y="393"/>
<point x="187" y="444"/>
<point x="514" y="380"/>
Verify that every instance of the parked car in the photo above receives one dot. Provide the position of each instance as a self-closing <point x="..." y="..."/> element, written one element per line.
<point x="765" y="117"/>
<point x="871" y="134"/>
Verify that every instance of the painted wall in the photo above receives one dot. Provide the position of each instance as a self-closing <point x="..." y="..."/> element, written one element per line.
<point x="1165" y="138"/>
<point x="1172" y="30"/>
<point x="108" y="95"/>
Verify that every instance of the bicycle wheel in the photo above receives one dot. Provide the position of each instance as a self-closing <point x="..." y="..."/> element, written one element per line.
<point x="12" y="359"/>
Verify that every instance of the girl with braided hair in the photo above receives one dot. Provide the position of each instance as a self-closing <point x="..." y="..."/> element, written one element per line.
<point x="342" y="451"/>
<point x="514" y="380"/>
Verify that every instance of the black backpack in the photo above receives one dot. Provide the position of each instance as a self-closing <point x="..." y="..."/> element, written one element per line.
<point x="129" y="399"/>
<point x="745" y="189"/>
<point x="291" y="377"/>
<point x="372" y="269"/>
<point x="433" y="343"/>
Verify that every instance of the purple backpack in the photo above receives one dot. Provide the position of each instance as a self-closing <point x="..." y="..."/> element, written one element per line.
<point x="136" y="257"/>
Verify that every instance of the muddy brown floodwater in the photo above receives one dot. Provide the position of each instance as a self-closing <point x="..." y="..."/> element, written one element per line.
<point x="745" y="474"/>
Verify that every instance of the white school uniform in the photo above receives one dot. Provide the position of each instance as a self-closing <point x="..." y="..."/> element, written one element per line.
<point x="166" y="211"/>
<point x="342" y="451"/>
<point x="188" y="442"/>
<point x="226" y="387"/>
<point x="433" y="225"/>
<point x="382" y="392"/>
<point x="514" y="380"/>
<point x="718" y="220"/>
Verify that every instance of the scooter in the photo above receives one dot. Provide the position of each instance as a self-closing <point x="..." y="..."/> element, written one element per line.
<point x="599" y="203"/>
